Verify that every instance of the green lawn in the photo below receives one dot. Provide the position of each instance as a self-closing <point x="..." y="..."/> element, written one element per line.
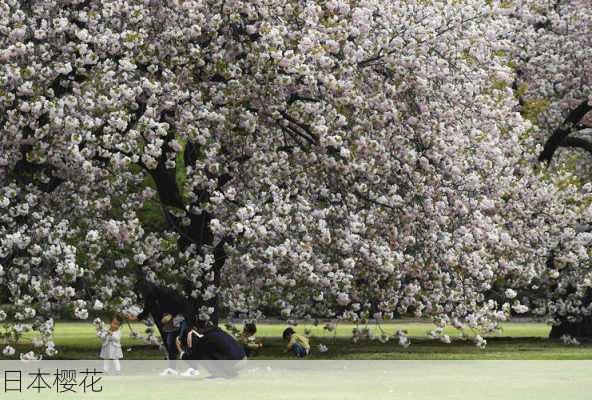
<point x="518" y="340"/>
<point x="339" y="380"/>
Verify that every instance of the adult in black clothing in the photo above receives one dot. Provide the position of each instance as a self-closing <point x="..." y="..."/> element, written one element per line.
<point x="159" y="301"/>
<point x="217" y="351"/>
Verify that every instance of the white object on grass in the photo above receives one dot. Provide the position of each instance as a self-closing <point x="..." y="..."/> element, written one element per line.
<point x="168" y="371"/>
<point x="190" y="372"/>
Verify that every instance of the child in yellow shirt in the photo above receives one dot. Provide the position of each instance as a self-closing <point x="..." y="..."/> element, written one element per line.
<point x="297" y="344"/>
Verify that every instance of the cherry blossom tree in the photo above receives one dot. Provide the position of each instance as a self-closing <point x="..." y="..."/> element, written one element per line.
<point x="554" y="88"/>
<point x="338" y="159"/>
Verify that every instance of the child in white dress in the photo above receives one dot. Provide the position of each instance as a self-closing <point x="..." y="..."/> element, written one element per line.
<point x="111" y="348"/>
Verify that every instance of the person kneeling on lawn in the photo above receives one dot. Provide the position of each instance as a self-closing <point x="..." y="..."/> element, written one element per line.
<point x="218" y="352"/>
<point x="297" y="344"/>
<point x="248" y="340"/>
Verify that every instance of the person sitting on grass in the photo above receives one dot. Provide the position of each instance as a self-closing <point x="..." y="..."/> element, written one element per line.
<point x="111" y="347"/>
<point x="248" y="340"/>
<point x="297" y="344"/>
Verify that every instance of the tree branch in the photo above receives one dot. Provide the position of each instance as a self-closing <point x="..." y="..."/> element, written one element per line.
<point x="559" y="135"/>
<point x="577" y="142"/>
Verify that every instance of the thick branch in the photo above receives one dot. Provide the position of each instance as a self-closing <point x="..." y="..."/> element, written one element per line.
<point x="578" y="143"/>
<point x="560" y="134"/>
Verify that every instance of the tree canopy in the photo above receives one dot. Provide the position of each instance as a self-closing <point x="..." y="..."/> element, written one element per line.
<point x="338" y="159"/>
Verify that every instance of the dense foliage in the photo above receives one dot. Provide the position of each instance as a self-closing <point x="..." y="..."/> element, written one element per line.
<point x="340" y="159"/>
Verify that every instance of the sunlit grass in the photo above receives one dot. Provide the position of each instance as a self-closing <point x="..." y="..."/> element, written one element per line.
<point x="518" y="340"/>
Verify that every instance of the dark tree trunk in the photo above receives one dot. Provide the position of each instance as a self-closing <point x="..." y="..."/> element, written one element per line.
<point x="198" y="232"/>
<point x="582" y="329"/>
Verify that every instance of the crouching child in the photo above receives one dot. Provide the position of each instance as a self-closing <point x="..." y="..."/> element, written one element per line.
<point x="297" y="344"/>
<point x="248" y="340"/>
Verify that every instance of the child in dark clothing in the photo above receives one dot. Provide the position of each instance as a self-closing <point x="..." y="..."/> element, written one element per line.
<point x="171" y="327"/>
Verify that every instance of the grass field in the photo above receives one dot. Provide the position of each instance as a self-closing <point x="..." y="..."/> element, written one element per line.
<point x="517" y="341"/>
<point x="336" y="380"/>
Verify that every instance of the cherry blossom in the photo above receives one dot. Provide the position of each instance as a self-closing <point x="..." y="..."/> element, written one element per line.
<point x="340" y="159"/>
